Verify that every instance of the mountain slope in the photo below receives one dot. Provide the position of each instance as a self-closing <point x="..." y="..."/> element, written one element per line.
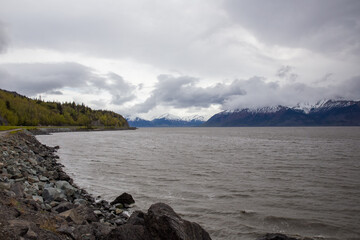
<point x="16" y="109"/>
<point x="327" y="113"/>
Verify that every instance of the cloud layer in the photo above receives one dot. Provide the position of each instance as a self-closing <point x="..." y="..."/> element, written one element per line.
<point x="204" y="55"/>
<point x="182" y="92"/>
<point x="330" y="26"/>
<point x="3" y="38"/>
<point x="53" y="78"/>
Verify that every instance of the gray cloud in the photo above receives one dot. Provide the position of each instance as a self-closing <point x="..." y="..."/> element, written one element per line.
<point x="286" y="72"/>
<point x="3" y="38"/>
<point x="51" y="78"/>
<point x="182" y="92"/>
<point x="326" y="26"/>
<point x="260" y="93"/>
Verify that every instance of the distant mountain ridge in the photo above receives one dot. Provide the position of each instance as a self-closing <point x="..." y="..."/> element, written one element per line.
<point x="167" y="120"/>
<point x="323" y="113"/>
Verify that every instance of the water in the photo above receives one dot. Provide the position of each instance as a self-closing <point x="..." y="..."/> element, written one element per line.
<point x="238" y="183"/>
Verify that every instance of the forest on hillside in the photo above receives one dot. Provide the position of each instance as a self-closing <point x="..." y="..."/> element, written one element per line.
<point x="18" y="110"/>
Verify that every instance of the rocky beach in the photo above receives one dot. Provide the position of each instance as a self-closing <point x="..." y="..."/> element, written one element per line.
<point x="38" y="200"/>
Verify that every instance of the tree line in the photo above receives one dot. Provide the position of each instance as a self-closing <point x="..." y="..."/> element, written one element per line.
<point x="18" y="110"/>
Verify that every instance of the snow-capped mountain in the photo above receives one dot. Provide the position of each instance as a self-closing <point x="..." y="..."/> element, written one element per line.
<point x="322" y="113"/>
<point x="167" y="120"/>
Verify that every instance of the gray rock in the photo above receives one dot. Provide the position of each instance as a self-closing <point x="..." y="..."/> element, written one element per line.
<point x="62" y="207"/>
<point x="33" y="179"/>
<point x="71" y="216"/>
<point x="43" y="179"/>
<point x="18" y="189"/>
<point x="66" y="187"/>
<point x="38" y="199"/>
<point x="98" y="213"/>
<point x="80" y="201"/>
<point x="51" y="194"/>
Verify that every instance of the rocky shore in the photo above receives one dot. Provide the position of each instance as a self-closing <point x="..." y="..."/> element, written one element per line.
<point x="38" y="200"/>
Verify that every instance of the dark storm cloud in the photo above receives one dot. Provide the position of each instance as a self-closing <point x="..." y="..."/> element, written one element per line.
<point x="326" y="26"/>
<point x="182" y="92"/>
<point x="51" y="78"/>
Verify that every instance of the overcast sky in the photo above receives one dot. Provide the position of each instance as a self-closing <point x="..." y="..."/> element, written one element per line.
<point x="150" y="57"/>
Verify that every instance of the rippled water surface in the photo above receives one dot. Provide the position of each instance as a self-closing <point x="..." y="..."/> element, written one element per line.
<point x="238" y="183"/>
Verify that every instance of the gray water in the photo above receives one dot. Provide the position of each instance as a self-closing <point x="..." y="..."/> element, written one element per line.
<point x="238" y="183"/>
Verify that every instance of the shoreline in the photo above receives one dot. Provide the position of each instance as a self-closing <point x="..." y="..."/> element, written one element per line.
<point x="38" y="200"/>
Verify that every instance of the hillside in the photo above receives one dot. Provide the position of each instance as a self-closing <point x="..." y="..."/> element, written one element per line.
<point x="326" y="113"/>
<point x="18" y="110"/>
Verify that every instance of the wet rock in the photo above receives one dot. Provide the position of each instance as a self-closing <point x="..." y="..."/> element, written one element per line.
<point x="124" y="198"/>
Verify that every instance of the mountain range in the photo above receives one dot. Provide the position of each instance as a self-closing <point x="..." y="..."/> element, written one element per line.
<point x="323" y="113"/>
<point x="167" y="120"/>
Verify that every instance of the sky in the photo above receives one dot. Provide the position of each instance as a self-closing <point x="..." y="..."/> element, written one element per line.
<point x="147" y="58"/>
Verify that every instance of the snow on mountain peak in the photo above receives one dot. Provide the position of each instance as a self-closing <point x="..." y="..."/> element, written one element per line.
<point x="168" y="116"/>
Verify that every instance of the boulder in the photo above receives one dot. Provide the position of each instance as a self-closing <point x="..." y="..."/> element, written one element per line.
<point x="50" y="194"/>
<point x="160" y="222"/>
<point x="124" y="198"/>
<point x="129" y="232"/>
<point x="66" y="187"/>
<point x="276" y="236"/>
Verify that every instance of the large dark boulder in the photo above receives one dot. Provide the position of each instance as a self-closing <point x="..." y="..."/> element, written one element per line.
<point x="124" y="198"/>
<point x="160" y="223"/>
<point x="278" y="236"/>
